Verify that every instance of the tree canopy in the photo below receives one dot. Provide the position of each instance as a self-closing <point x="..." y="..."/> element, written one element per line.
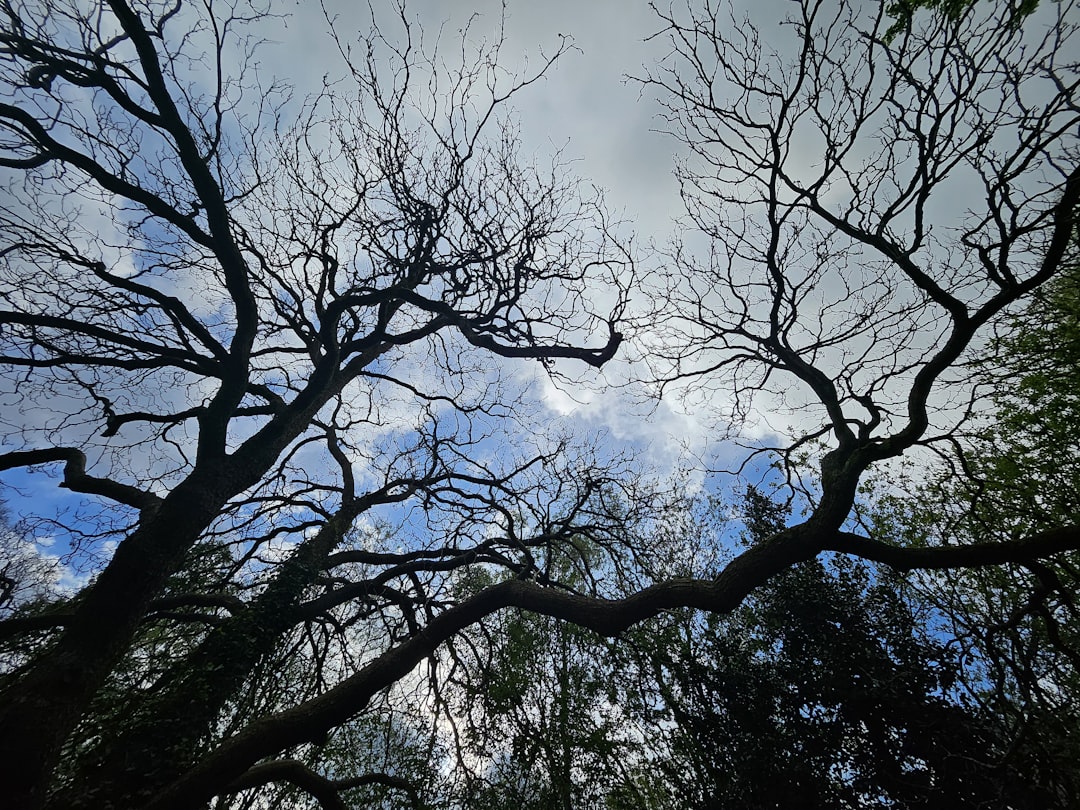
<point x="275" y="345"/>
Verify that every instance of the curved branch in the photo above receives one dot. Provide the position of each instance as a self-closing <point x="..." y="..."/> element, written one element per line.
<point x="593" y="357"/>
<point x="76" y="479"/>
<point x="482" y="339"/>
<point x="1035" y="547"/>
<point x="396" y="782"/>
<point x="166" y="355"/>
<point x="51" y="149"/>
<point x="1064" y="219"/>
<point x="323" y="790"/>
<point x="311" y="719"/>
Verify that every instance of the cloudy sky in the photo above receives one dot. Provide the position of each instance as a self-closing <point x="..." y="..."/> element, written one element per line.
<point x="589" y="109"/>
<point x="584" y="108"/>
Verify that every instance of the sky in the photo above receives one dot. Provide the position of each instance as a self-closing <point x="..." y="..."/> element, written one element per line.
<point x="585" y="108"/>
<point x="604" y="125"/>
<point x="589" y="109"/>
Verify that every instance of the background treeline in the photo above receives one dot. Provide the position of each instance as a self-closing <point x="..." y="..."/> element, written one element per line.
<point x="836" y="684"/>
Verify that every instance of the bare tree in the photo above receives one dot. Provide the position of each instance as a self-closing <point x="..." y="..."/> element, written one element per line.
<point x="247" y="346"/>
<point x="872" y="207"/>
<point x="253" y="324"/>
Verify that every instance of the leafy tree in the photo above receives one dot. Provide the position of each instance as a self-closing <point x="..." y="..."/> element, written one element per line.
<point x="904" y="11"/>
<point x="26" y="577"/>
<point x="830" y="686"/>
<point x="539" y="702"/>
<point x="543" y="721"/>
<point x="266" y="340"/>
<point x="826" y="688"/>
<point x="1017" y="624"/>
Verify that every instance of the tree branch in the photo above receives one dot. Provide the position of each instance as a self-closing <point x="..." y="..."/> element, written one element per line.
<point x="76" y="479"/>
<point x="323" y="790"/>
<point x="1035" y="547"/>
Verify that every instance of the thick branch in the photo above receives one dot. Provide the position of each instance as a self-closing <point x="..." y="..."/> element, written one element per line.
<point x="1064" y="223"/>
<point x="312" y="719"/>
<point x="51" y="149"/>
<point x="323" y="790"/>
<point x="76" y="479"/>
<point x="18" y="625"/>
<point x="1036" y="547"/>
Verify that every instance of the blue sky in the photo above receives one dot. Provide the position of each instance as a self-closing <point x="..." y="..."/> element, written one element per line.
<point x="603" y="128"/>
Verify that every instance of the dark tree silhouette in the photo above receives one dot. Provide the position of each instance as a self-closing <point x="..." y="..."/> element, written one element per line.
<point x="244" y="325"/>
<point x="874" y="208"/>
<point x="827" y="688"/>
<point x="278" y="288"/>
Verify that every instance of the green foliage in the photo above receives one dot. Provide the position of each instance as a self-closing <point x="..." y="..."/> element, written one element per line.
<point x="824" y="689"/>
<point x="903" y="11"/>
<point x="827" y="688"/>
<point x="1019" y="626"/>
<point x="1028" y="462"/>
<point x="539" y="705"/>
